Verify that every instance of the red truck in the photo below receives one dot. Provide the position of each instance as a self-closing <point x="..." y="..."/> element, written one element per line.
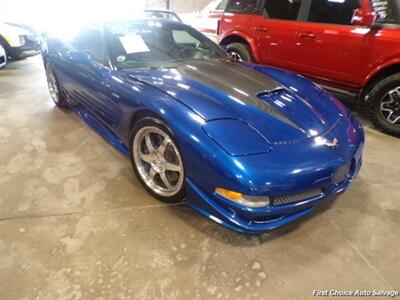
<point x="350" y="47"/>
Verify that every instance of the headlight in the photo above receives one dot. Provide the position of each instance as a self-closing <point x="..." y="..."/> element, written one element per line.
<point x="236" y="137"/>
<point x="250" y="201"/>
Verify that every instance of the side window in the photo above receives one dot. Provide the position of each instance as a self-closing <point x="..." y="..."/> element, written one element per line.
<point x="282" y="9"/>
<point x="388" y="11"/>
<point x="333" y="11"/>
<point x="221" y="5"/>
<point x="243" y="6"/>
<point x="183" y="38"/>
<point x="90" y="41"/>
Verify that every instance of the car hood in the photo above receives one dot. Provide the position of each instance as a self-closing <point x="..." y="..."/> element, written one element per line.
<point x="228" y="90"/>
<point x="8" y="29"/>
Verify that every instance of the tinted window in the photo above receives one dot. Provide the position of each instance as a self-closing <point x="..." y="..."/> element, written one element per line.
<point x="282" y="9"/>
<point x="388" y="11"/>
<point x="333" y="11"/>
<point x="243" y="6"/>
<point x="90" y="41"/>
<point x="153" y="44"/>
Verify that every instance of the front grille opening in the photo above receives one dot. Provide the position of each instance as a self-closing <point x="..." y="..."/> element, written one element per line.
<point x="342" y="173"/>
<point x="296" y="197"/>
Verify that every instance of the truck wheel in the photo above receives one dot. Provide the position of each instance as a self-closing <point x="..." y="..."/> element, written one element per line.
<point x="239" y="52"/>
<point x="384" y="105"/>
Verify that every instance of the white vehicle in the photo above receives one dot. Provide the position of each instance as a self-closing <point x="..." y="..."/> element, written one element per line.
<point x="18" y="42"/>
<point x="207" y="20"/>
<point x="3" y="57"/>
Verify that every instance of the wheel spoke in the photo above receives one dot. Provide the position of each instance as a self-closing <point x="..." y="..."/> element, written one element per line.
<point x="151" y="174"/>
<point x="149" y="144"/>
<point x="173" y="167"/>
<point x="145" y="157"/>
<point x="164" y="145"/>
<point x="396" y="120"/>
<point x="164" y="179"/>
<point x="394" y="94"/>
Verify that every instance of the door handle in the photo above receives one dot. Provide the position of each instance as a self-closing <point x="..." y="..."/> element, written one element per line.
<point x="307" y="35"/>
<point x="260" y="29"/>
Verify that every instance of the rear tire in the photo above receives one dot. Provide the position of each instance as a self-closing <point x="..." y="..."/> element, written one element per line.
<point x="54" y="87"/>
<point x="383" y="105"/>
<point x="239" y="52"/>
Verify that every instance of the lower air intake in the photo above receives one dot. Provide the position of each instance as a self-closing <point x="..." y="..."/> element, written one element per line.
<point x="291" y="198"/>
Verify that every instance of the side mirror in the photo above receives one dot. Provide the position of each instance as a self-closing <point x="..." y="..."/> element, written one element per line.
<point x="362" y="17"/>
<point x="78" y="57"/>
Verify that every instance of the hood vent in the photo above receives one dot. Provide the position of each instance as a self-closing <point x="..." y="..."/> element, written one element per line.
<point x="272" y="92"/>
<point x="270" y="95"/>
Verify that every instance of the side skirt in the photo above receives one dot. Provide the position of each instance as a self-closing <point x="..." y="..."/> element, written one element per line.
<point x="101" y="129"/>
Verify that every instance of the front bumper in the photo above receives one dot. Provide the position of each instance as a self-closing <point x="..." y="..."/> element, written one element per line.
<point x="31" y="47"/>
<point x="23" y="52"/>
<point x="249" y="220"/>
<point x="324" y="176"/>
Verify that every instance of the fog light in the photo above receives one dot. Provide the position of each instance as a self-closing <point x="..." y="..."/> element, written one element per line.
<point x="250" y="201"/>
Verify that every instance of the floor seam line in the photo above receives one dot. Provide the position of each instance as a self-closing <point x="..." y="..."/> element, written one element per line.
<point x="89" y="212"/>
<point x="363" y="258"/>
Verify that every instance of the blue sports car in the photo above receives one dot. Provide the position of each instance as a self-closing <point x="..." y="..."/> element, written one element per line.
<point x="249" y="146"/>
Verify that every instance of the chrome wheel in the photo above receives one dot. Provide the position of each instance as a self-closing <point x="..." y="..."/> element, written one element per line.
<point x="390" y="106"/>
<point x="52" y="84"/>
<point x="158" y="161"/>
<point x="235" y="56"/>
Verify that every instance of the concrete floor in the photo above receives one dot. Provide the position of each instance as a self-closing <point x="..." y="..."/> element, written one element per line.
<point x="76" y="224"/>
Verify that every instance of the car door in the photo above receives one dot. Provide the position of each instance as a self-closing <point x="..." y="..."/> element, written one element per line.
<point x="328" y="47"/>
<point x="275" y="32"/>
<point x="92" y="76"/>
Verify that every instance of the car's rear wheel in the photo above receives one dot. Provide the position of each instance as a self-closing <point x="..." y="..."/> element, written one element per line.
<point x="54" y="87"/>
<point x="157" y="161"/>
<point x="384" y="105"/>
<point x="239" y="52"/>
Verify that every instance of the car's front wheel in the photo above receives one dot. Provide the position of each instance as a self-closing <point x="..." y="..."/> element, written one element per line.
<point x="54" y="87"/>
<point x="157" y="161"/>
<point x="384" y="105"/>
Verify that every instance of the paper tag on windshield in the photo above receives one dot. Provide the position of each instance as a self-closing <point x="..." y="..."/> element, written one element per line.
<point x="133" y="43"/>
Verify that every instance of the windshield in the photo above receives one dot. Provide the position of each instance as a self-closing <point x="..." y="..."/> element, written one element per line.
<point x="153" y="44"/>
<point x="388" y="11"/>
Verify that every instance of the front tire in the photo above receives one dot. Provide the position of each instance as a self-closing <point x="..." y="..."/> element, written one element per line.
<point x="384" y="105"/>
<point x="54" y="87"/>
<point x="157" y="161"/>
<point x="239" y="52"/>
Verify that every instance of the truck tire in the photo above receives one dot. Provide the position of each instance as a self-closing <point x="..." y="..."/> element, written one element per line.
<point x="383" y="105"/>
<point x="239" y="52"/>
